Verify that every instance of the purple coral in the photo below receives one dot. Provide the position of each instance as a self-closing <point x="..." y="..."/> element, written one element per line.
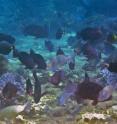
<point x="15" y="79"/>
<point x="69" y="91"/>
<point x="110" y="77"/>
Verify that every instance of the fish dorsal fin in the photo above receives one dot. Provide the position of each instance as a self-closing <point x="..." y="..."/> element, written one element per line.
<point x="32" y="51"/>
<point x="86" y="77"/>
<point x="13" y="47"/>
<point x="15" y="52"/>
<point x="60" y="51"/>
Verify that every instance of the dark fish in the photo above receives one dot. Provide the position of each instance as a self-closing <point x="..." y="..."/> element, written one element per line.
<point x="5" y="47"/>
<point x="90" y="34"/>
<point x="57" y="77"/>
<point x="59" y="34"/>
<point x="29" y="87"/>
<point x="38" y="31"/>
<point x="24" y="58"/>
<point x="37" y="88"/>
<point x="60" y="52"/>
<point x="71" y="62"/>
<point x="27" y="60"/>
<point x="9" y="91"/>
<point x="49" y="46"/>
<point x="16" y="53"/>
<point x="38" y="59"/>
<point x="71" y="65"/>
<point x="6" y="37"/>
<point x="90" y="52"/>
<point x="89" y="90"/>
<point x="112" y="67"/>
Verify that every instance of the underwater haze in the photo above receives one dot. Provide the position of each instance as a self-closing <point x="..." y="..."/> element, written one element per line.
<point x="15" y="14"/>
<point x="58" y="61"/>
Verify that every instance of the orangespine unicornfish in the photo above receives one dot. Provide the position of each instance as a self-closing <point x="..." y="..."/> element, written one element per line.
<point x="37" y="88"/>
<point x="29" y="87"/>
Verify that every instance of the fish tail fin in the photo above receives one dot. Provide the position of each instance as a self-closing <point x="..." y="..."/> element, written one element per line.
<point x="13" y="47"/>
<point x="35" y="75"/>
<point x="15" y="52"/>
<point x="86" y="77"/>
<point x="32" y="51"/>
<point x="100" y="55"/>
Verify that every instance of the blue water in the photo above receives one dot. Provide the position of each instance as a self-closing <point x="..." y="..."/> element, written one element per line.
<point x="14" y="14"/>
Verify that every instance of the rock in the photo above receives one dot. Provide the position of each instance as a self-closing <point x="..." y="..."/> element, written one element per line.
<point x="56" y="112"/>
<point x="69" y="118"/>
<point x="20" y="120"/>
<point x="91" y="116"/>
<point x="114" y="108"/>
<point x="11" y="112"/>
